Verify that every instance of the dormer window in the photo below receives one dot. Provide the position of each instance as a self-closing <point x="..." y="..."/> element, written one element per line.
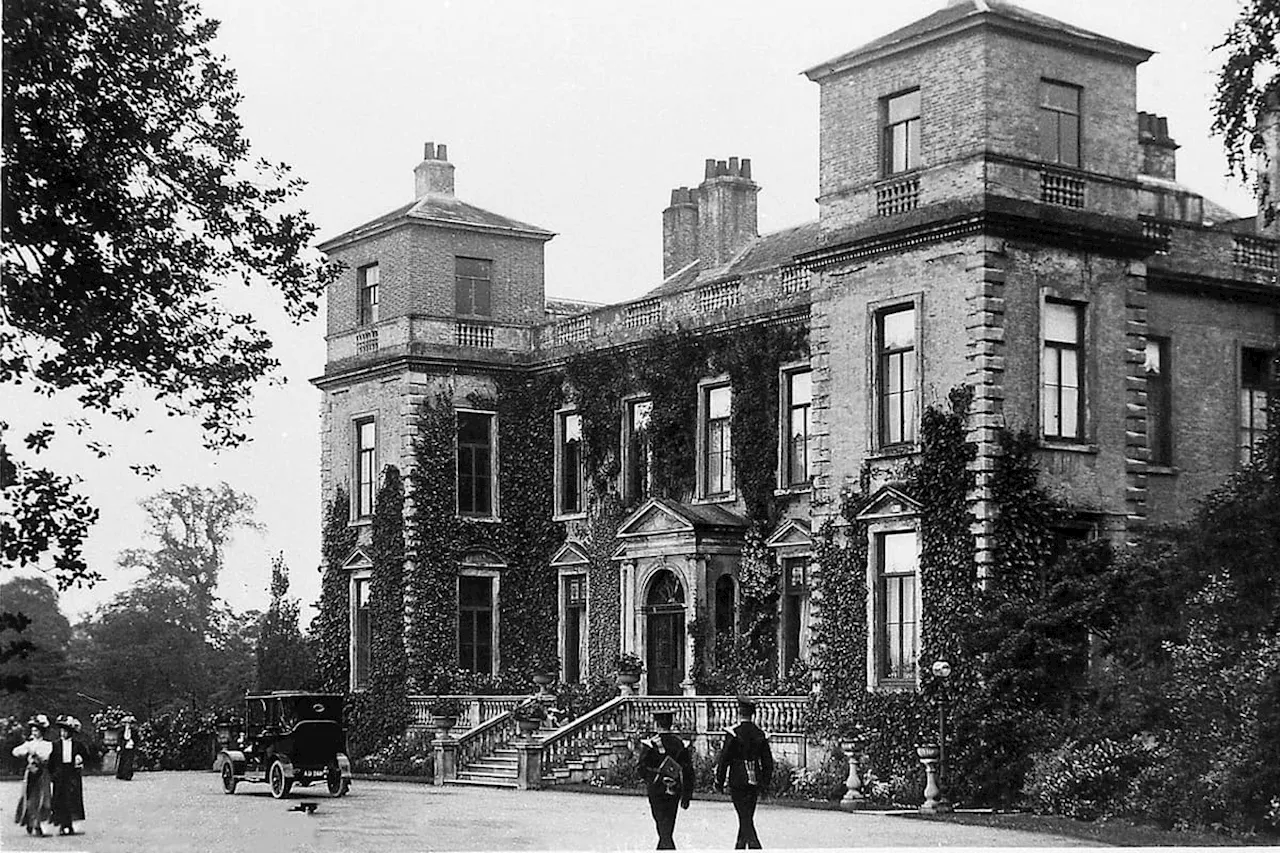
<point x="1059" y="123"/>
<point x="902" y="132"/>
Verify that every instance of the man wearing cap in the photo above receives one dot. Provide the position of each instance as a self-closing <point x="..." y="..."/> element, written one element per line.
<point x="747" y="762"/>
<point x="667" y="769"/>
<point x="65" y="762"/>
<point x="128" y="746"/>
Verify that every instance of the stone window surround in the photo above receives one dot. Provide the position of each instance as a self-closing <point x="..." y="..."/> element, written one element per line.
<point x="358" y="518"/>
<point x="624" y="451"/>
<point x="495" y="510"/>
<point x="362" y="571"/>
<point x="1082" y="441"/>
<point x="557" y="474"/>
<point x="784" y="432"/>
<point x="875" y="528"/>
<point x="875" y="310"/>
<point x="705" y="386"/>
<point x="494" y="573"/>
<point x="564" y="573"/>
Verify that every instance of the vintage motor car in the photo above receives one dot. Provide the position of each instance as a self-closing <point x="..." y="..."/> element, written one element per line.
<point x="290" y="738"/>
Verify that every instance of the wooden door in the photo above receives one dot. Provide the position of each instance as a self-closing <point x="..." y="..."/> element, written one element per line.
<point x="665" y="652"/>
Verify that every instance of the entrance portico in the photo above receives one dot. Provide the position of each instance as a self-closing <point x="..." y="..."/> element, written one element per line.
<point x="672" y="562"/>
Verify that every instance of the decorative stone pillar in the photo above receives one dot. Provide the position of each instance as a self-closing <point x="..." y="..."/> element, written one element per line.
<point x="446" y="749"/>
<point x="529" y="763"/>
<point x="853" y="796"/>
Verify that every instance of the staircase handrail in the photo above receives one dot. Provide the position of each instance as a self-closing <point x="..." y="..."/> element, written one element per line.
<point x="478" y="742"/>
<point x="578" y="732"/>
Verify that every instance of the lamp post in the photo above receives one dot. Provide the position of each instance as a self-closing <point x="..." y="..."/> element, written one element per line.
<point x="942" y="671"/>
<point x="932" y="757"/>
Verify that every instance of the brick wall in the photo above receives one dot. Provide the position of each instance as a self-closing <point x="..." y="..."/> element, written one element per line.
<point x="416" y="265"/>
<point x="1205" y="337"/>
<point x="1091" y="475"/>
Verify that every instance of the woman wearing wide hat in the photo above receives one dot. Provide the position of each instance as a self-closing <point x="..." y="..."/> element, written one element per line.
<point x="65" y="762"/>
<point x="35" y="803"/>
<point x="128" y="746"/>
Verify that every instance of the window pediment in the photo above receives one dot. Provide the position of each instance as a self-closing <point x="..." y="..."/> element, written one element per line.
<point x="794" y="532"/>
<point x="889" y="502"/>
<point x="570" y="554"/>
<point x="357" y="560"/>
<point x="482" y="559"/>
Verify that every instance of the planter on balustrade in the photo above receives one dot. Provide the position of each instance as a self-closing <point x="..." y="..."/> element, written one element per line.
<point x="627" y="682"/>
<point x="528" y="727"/>
<point x="443" y="723"/>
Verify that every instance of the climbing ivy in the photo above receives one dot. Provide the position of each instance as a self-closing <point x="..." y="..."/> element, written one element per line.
<point x="331" y="629"/>
<point x="381" y="711"/>
<point x="524" y="537"/>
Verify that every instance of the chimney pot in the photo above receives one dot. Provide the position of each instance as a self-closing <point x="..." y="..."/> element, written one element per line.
<point x="434" y="175"/>
<point x="711" y="169"/>
<point x="733" y="166"/>
<point x="746" y="168"/>
<point x="722" y="168"/>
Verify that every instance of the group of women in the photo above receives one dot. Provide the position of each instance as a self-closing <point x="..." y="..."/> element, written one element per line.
<point x="52" y="790"/>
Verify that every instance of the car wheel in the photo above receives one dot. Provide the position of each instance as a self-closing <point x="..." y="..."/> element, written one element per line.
<point x="228" y="777"/>
<point x="338" y="786"/>
<point x="280" y="784"/>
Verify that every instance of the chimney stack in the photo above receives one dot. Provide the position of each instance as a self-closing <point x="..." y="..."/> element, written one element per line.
<point x="1268" y="223"/>
<point x="1158" y="149"/>
<point x="434" y="175"/>
<point x="713" y="221"/>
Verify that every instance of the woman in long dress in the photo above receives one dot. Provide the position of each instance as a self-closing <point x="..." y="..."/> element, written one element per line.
<point x="65" y="761"/>
<point x="128" y="744"/>
<point x="35" y="806"/>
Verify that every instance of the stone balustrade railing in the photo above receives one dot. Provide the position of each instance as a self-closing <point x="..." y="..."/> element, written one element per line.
<point x="475" y="709"/>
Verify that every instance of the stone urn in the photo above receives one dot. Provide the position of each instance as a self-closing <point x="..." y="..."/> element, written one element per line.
<point x="528" y="727"/>
<point x="443" y="723"/>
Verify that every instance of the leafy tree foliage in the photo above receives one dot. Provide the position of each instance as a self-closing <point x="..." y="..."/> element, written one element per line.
<point x="129" y="198"/>
<point x="34" y="635"/>
<point x="1248" y="83"/>
<point x="284" y="659"/>
<point x="193" y="526"/>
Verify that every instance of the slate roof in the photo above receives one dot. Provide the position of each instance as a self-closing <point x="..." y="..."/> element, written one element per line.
<point x="559" y="306"/>
<point x="957" y="12"/>
<point x="443" y="210"/>
<point x="703" y="515"/>
<point x="762" y="253"/>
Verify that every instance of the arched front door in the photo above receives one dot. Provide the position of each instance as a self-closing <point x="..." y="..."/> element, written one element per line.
<point x="664" y="634"/>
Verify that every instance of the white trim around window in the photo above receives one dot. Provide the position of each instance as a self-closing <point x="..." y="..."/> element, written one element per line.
<point x="564" y="422"/>
<point x="895" y="374"/>
<point x="495" y="504"/>
<point x="637" y="407"/>
<point x="786" y="449"/>
<point x="359" y="580"/>
<point x="876" y="538"/>
<point x="721" y="443"/>
<point x="495" y="575"/>
<point x="363" y="494"/>
<point x="563" y="575"/>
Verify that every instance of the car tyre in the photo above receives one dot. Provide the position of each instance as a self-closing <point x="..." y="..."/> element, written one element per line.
<point x="228" y="777"/>
<point x="280" y="784"/>
<point x="338" y="786"/>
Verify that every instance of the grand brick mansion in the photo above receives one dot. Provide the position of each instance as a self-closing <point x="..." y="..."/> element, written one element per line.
<point x="994" y="212"/>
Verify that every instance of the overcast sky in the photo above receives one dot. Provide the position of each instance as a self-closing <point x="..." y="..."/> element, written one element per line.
<point x="575" y="116"/>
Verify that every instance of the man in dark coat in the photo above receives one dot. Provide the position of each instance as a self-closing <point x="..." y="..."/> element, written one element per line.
<point x="667" y="769"/>
<point x="747" y="763"/>
<point x="128" y="748"/>
<point x="65" y="762"/>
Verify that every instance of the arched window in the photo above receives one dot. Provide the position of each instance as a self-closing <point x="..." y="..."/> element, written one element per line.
<point x="665" y="590"/>
<point x="726" y="605"/>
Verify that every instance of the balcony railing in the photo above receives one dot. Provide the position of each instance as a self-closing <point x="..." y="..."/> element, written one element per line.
<point x="573" y="331"/>
<point x="713" y="297"/>
<point x="474" y="335"/>
<point x="1064" y="190"/>
<point x="646" y="313"/>
<point x="1160" y="233"/>
<point x="897" y="197"/>
<point x="794" y="279"/>
<point x="1254" y="252"/>
<point x="366" y="341"/>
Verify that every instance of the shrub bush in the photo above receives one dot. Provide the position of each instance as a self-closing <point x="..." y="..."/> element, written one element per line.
<point x="183" y="740"/>
<point x="401" y="757"/>
<point x="1086" y="780"/>
<point x="823" y="782"/>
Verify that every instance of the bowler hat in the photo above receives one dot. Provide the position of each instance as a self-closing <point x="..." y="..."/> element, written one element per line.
<point x="746" y="705"/>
